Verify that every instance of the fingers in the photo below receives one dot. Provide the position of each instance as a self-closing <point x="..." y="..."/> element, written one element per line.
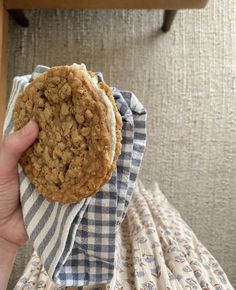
<point x="14" y="145"/>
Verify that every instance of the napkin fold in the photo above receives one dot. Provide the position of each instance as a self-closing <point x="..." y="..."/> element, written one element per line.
<point x="76" y="242"/>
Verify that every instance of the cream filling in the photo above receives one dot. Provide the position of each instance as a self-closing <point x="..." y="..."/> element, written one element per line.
<point x="111" y="120"/>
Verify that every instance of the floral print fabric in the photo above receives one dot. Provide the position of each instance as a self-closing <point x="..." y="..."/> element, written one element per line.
<point x="155" y="249"/>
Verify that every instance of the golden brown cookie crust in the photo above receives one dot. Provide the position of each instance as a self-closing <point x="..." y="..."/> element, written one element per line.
<point x="71" y="159"/>
<point x="108" y="91"/>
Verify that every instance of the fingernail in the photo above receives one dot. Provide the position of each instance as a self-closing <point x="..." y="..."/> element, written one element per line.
<point x="27" y="128"/>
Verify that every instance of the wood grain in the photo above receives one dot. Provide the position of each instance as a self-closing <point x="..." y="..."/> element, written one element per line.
<point x="3" y="63"/>
<point x="147" y="4"/>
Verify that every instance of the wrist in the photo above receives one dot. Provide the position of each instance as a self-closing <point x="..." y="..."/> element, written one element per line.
<point x="7" y="247"/>
<point x="7" y="257"/>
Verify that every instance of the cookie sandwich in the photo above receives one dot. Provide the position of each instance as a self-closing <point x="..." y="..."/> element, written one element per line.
<point x="79" y="137"/>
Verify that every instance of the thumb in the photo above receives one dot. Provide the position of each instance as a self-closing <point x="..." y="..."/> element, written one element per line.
<point x="14" y="145"/>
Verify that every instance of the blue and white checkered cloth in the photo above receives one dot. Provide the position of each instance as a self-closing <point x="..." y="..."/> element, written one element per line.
<point x="76" y="242"/>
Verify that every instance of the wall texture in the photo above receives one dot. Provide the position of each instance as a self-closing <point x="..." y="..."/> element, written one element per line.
<point x="187" y="81"/>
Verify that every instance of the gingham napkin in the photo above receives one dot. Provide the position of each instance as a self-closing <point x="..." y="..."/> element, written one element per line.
<point x="76" y="242"/>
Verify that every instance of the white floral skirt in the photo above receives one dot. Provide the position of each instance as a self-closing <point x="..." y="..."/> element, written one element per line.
<point x="155" y="249"/>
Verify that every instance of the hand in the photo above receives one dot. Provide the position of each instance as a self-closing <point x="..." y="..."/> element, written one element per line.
<point x="12" y="228"/>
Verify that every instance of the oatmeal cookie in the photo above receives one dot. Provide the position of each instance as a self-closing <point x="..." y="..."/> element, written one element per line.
<point x="79" y="133"/>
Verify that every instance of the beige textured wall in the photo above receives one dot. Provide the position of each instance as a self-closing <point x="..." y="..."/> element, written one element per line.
<point x="187" y="81"/>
